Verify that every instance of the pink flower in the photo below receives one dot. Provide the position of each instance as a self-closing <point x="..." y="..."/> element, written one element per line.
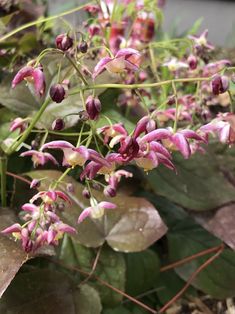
<point x="49" y="197"/>
<point x="175" y="65"/>
<point x="32" y="75"/>
<point x="201" y="41"/>
<point x="112" y="131"/>
<point x="113" y="179"/>
<point x="223" y="126"/>
<point x="92" y="9"/>
<point x="96" y="210"/>
<point x="20" y="124"/>
<point x="125" y="59"/>
<point x="39" y="158"/>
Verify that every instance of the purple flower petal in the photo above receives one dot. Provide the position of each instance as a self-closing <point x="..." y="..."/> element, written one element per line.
<point x="182" y="144"/>
<point x="57" y="144"/>
<point x="100" y="67"/>
<point x="22" y="74"/>
<point x="39" y="81"/>
<point x="14" y="228"/>
<point x="107" y="205"/>
<point x="127" y="52"/>
<point x="156" y="135"/>
<point x="84" y="214"/>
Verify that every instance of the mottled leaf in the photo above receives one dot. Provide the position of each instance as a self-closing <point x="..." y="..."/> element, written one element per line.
<point x="133" y="226"/>
<point x="198" y="185"/>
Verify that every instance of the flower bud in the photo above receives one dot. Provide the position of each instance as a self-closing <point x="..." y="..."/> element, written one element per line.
<point x="171" y="100"/>
<point x="219" y="84"/>
<point x="83" y="46"/>
<point x="93" y="107"/>
<point x="86" y="193"/>
<point x="192" y="62"/>
<point x="58" y="124"/>
<point x="70" y="188"/>
<point x="35" y="184"/>
<point x="109" y="191"/>
<point x="57" y="93"/>
<point x="63" y="42"/>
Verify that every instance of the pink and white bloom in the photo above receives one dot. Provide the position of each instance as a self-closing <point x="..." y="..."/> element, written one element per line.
<point x="20" y="124"/>
<point x="31" y="75"/>
<point x="223" y="126"/>
<point x="125" y="59"/>
<point x="49" y="197"/>
<point x="174" y="65"/>
<point x="96" y="210"/>
<point x="112" y="131"/>
<point x="39" y="158"/>
<point x="201" y="41"/>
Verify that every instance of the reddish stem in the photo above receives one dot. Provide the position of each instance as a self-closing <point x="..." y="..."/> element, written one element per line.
<point x="16" y="176"/>
<point x="144" y="306"/>
<point x="190" y="258"/>
<point x="190" y="280"/>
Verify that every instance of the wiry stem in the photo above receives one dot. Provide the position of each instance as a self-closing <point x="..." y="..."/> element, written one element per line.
<point x="3" y="169"/>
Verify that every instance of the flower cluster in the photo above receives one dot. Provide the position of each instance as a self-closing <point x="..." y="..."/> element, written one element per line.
<point x="170" y="100"/>
<point x="41" y="223"/>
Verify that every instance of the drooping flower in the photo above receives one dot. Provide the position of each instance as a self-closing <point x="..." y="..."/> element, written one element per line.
<point x="96" y="210"/>
<point x="112" y="131"/>
<point x="39" y="158"/>
<point x="64" y="42"/>
<point x="223" y="126"/>
<point x="113" y="179"/>
<point x="75" y="156"/>
<point x="174" y="65"/>
<point x="125" y="59"/>
<point x="20" y="124"/>
<point x="201" y="41"/>
<point x="49" y="197"/>
<point x="31" y="75"/>
<point x="219" y="84"/>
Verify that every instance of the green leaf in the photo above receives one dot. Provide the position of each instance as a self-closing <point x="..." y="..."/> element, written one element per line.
<point x="133" y="226"/>
<point x="49" y="292"/>
<point x="110" y="268"/>
<point x="88" y="300"/>
<point x="185" y="238"/>
<point x="168" y="285"/>
<point x="198" y="185"/>
<point x="142" y="271"/>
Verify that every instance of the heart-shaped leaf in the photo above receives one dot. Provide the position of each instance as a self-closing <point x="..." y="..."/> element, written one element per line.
<point x="46" y="291"/>
<point x="199" y="184"/>
<point x="133" y="226"/>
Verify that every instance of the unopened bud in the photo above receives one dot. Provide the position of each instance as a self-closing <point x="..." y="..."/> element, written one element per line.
<point x="83" y="46"/>
<point x="35" y="183"/>
<point x="70" y="188"/>
<point x="63" y="42"/>
<point x="58" y="124"/>
<point x="109" y="191"/>
<point x="57" y="93"/>
<point x="86" y="193"/>
<point x="219" y="84"/>
<point x="93" y="107"/>
<point x="192" y="62"/>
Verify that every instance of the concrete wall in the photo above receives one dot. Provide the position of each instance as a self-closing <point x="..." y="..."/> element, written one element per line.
<point x="219" y="16"/>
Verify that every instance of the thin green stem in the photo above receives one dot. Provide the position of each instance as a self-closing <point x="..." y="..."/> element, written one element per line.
<point x="3" y="170"/>
<point x="134" y="86"/>
<point x="77" y="69"/>
<point x="55" y="184"/>
<point x="26" y="133"/>
<point x="176" y="106"/>
<point x="42" y="20"/>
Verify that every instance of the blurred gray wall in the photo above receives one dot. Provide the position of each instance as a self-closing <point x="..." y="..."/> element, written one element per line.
<point x="219" y="16"/>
